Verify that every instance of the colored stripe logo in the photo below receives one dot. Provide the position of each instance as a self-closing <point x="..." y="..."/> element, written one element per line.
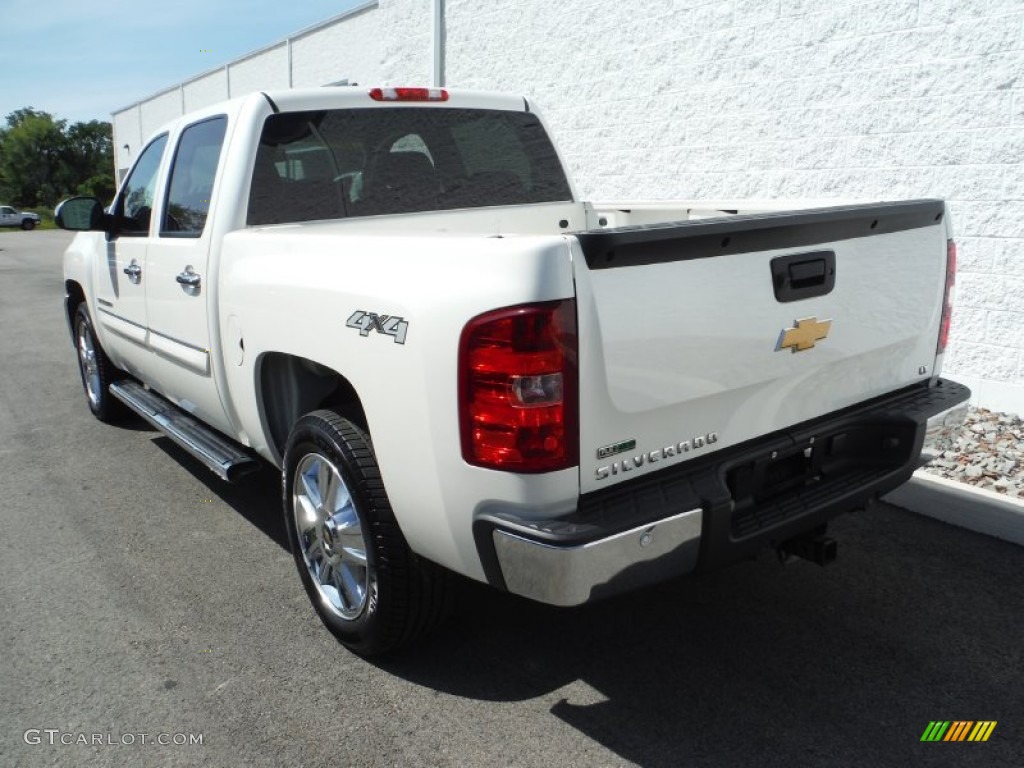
<point x="958" y="730"/>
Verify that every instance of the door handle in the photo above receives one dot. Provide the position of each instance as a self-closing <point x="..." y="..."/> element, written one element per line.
<point x="189" y="278"/>
<point x="134" y="272"/>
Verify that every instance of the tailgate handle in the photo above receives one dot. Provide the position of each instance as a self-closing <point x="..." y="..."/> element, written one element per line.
<point x="806" y="273"/>
<point x="803" y="275"/>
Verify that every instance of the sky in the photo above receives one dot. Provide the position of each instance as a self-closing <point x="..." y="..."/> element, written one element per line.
<point x="83" y="60"/>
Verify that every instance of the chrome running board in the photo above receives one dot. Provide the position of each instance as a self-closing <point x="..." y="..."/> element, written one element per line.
<point x="225" y="458"/>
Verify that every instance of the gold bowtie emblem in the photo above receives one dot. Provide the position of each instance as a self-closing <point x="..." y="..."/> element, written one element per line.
<point x="807" y="331"/>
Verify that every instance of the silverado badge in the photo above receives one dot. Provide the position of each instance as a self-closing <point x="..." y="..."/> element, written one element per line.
<point x="807" y="331"/>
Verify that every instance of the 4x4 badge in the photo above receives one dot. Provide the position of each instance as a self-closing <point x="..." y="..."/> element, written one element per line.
<point x="395" y="327"/>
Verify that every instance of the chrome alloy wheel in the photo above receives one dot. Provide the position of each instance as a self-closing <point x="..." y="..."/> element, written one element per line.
<point x="330" y="536"/>
<point x="90" y="366"/>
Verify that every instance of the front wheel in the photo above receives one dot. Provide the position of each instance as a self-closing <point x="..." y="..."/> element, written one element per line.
<point x="368" y="587"/>
<point x="28" y="224"/>
<point x="96" y="369"/>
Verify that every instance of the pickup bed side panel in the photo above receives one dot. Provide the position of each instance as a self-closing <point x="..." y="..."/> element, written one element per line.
<point x="408" y="387"/>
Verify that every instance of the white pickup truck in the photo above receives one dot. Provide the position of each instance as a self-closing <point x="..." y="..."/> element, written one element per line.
<point x="394" y="296"/>
<point x="12" y="217"/>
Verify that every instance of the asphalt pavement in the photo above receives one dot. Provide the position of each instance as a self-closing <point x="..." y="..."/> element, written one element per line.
<point x="144" y="600"/>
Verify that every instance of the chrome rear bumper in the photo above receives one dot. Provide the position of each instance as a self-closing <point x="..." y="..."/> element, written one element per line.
<point x="572" y="575"/>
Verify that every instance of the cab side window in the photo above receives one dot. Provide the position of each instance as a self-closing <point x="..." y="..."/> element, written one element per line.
<point x="134" y="207"/>
<point x="192" y="175"/>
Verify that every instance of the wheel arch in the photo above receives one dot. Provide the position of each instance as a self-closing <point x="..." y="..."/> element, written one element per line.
<point x="74" y="295"/>
<point x="289" y="386"/>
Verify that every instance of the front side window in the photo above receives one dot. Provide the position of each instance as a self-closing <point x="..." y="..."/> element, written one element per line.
<point x="341" y="163"/>
<point x="134" y="206"/>
<point x="192" y="175"/>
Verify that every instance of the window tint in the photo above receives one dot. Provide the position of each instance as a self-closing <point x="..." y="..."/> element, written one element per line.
<point x="134" y="207"/>
<point x="192" y="175"/>
<point x="489" y="145"/>
<point x="360" y="162"/>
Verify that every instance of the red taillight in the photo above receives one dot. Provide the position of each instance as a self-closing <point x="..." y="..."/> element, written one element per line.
<point x="518" y="388"/>
<point x="408" y="94"/>
<point x="947" y="297"/>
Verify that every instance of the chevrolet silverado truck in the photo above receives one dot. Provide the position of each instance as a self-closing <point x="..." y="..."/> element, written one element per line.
<point x="395" y="297"/>
<point x="12" y="217"/>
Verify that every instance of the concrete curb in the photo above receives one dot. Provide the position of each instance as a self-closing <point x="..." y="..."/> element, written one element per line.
<point x="964" y="505"/>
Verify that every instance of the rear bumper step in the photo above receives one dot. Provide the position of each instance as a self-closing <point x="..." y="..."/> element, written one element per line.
<point x="226" y="459"/>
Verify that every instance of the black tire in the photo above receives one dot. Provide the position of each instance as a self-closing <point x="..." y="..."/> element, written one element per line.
<point x="95" y="378"/>
<point x="27" y="224"/>
<point x="404" y="596"/>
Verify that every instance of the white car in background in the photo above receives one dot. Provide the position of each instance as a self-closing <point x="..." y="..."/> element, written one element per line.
<point x="11" y="217"/>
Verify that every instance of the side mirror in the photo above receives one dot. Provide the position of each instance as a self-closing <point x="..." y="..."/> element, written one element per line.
<point x="82" y="214"/>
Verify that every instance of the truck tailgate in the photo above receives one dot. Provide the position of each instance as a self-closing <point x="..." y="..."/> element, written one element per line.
<point x="695" y="336"/>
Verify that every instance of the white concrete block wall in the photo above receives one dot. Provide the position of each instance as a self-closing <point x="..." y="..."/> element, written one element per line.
<point x="127" y="139"/>
<point x="208" y="89"/>
<point x="877" y="99"/>
<point x="407" y="29"/>
<point x="266" y="69"/>
<point x="157" y="111"/>
<point x="350" y="49"/>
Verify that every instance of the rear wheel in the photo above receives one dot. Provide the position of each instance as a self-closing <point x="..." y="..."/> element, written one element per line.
<point x="368" y="587"/>
<point x="96" y="369"/>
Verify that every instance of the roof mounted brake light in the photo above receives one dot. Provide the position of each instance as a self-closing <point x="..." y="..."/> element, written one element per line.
<point x="409" y="94"/>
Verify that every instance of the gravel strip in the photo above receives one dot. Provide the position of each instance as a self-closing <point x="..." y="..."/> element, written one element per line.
<point x="989" y="453"/>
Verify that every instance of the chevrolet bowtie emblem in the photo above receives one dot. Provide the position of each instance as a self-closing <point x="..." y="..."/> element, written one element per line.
<point x="807" y="331"/>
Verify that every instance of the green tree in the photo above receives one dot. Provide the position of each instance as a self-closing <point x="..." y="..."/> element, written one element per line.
<point x="90" y="158"/>
<point x="43" y="159"/>
<point x="32" y="156"/>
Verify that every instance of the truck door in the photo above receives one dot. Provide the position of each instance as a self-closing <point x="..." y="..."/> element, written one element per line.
<point x="120" y="280"/>
<point x="179" y="284"/>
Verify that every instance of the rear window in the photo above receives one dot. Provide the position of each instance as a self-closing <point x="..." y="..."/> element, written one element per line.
<point x="334" y="164"/>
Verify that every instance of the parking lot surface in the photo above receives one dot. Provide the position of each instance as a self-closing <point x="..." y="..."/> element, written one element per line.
<point x="140" y="596"/>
